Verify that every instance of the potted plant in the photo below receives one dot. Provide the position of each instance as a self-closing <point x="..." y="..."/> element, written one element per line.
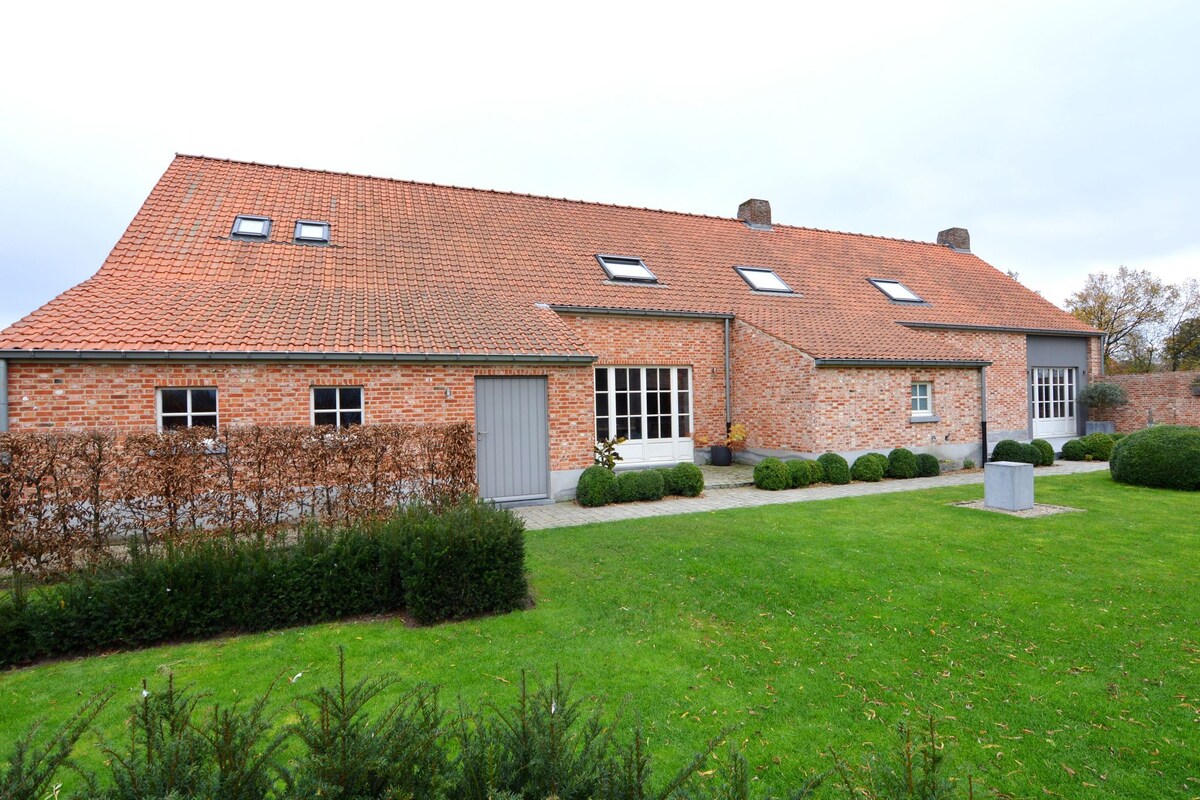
<point x="1100" y="397"/>
<point x="721" y="451"/>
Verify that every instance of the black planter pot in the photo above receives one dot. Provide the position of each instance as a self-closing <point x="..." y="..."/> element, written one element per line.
<point x="721" y="455"/>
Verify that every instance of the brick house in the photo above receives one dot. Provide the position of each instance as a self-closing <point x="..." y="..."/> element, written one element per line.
<point x="246" y="293"/>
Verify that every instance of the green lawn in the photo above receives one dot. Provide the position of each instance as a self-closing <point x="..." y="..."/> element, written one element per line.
<point x="1060" y="655"/>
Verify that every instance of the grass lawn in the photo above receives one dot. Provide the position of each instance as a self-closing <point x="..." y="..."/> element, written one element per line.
<point x="1059" y="655"/>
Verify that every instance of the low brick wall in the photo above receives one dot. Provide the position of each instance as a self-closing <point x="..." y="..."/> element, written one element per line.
<point x="1154" y="397"/>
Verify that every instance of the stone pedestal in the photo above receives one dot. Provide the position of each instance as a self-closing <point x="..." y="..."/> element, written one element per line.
<point x="1090" y="427"/>
<point x="1008" y="485"/>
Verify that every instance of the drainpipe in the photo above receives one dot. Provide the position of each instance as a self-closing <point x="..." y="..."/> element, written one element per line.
<point x="983" y="413"/>
<point x="728" y="383"/>
<point x="3" y="395"/>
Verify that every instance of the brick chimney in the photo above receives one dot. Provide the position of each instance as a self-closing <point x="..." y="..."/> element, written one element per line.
<point x="756" y="214"/>
<point x="958" y="238"/>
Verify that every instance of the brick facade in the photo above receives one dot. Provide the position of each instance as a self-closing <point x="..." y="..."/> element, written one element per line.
<point x="1155" y="397"/>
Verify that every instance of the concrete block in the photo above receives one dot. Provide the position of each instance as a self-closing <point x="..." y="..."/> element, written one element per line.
<point x="1099" y="427"/>
<point x="1008" y="485"/>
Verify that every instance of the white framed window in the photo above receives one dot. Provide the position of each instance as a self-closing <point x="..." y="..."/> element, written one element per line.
<point x="625" y="268"/>
<point x="339" y="406"/>
<point x="895" y="290"/>
<point x="636" y="403"/>
<point x="922" y="399"/>
<point x="763" y="280"/>
<point x="190" y="407"/>
<point x="309" y="232"/>
<point x="251" y="227"/>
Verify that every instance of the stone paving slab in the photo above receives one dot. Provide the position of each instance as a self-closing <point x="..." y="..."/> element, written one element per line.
<point x="561" y="515"/>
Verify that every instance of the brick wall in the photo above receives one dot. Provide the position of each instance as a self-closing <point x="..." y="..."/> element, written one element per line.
<point x="1162" y="397"/>
<point x="773" y="394"/>
<point x="1007" y="392"/>
<point x="97" y="394"/>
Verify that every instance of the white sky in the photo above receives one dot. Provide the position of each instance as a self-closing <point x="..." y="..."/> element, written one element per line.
<point x="1064" y="135"/>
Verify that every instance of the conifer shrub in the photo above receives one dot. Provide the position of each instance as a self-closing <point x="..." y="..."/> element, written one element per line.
<point x="868" y="468"/>
<point x="902" y="463"/>
<point x="1164" y="456"/>
<point x="1045" y="452"/>
<point x="837" y="471"/>
<point x="772" y="474"/>
<point x="685" y="480"/>
<point x="1074" y="450"/>
<point x="928" y="466"/>
<point x="597" y="487"/>
<point x="800" y="472"/>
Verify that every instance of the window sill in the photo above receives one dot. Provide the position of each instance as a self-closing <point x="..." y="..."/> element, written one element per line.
<point x="924" y="418"/>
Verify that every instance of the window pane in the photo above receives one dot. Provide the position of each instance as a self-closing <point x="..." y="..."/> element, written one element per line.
<point x="601" y="380"/>
<point x="635" y="428"/>
<point x="622" y="405"/>
<point x="169" y="423"/>
<point x="324" y="399"/>
<point x="601" y="405"/>
<point x="683" y="379"/>
<point x="602" y="429"/>
<point x="652" y="428"/>
<point x="622" y="376"/>
<point x="351" y="398"/>
<point x="651" y="379"/>
<point x="204" y="401"/>
<point x="174" y="401"/>
<point x="622" y="427"/>
<point x="635" y="404"/>
<point x="685" y="426"/>
<point x="254" y="227"/>
<point x="351" y="418"/>
<point x="325" y="418"/>
<point x="312" y="232"/>
<point x="664" y="402"/>
<point x="635" y="379"/>
<point x="204" y="420"/>
<point x="652" y="403"/>
<point x="684" y="404"/>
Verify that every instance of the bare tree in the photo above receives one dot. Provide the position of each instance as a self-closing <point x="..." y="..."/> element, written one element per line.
<point x="1131" y="307"/>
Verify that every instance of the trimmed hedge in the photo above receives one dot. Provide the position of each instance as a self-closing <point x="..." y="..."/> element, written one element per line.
<point x="1074" y="450"/>
<point x="902" y="463"/>
<point x="837" y="471"/>
<point x="772" y="474"/>
<point x="1046" y="451"/>
<point x="928" y="466"/>
<point x="466" y="561"/>
<point x="1165" y="456"/>
<point x="597" y="487"/>
<point x="869" y="467"/>
<point x="685" y="480"/>
<point x="800" y="472"/>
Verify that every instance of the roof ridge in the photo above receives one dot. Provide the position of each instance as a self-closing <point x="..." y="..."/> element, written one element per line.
<point x="532" y="196"/>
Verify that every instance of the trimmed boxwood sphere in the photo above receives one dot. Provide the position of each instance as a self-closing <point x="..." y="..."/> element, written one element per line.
<point x="902" y="463"/>
<point x="1074" y="450"/>
<point x="686" y="480"/>
<point x="1098" y="445"/>
<point x="627" y="487"/>
<point x="1046" y="450"/>
<point x="772" y="474"/>
<point x="867" y="468"/>
<point x="650" y="485"/>
<point x="816" y="471"/>
<point x="1165" y="456"/>
<point x="1007" y="450"/>
<point x="597" y="487"/>
<point x="837" y="471"/>
<point x="799" y="471"/>
<point x="928" y="466"/>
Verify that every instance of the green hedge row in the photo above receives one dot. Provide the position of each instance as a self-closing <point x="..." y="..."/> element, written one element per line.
<point x="465" y="561"/>
<point x="599" y="485"/>
<point x="772" y="474"/>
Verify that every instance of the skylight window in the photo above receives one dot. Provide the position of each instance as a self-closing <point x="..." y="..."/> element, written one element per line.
<point x="895" y="290"/>
<point x="763" y="280"/>
<point x="254" y="227"/>
<point x="622" y="268"/>
<point x="312" y="232"/>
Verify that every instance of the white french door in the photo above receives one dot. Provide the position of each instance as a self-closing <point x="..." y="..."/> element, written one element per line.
<point x="650" y="408"/>
<point x="1052" y="393"/>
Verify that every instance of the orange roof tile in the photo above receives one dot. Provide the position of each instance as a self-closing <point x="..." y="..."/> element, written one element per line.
<point x="423" y="269"/>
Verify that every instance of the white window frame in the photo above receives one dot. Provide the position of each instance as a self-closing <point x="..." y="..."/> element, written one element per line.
<point x="626" y="269"/>
<point x="322" y="238"/>
<point x="237" y="225"/>
<point x="895" y="291"/>
<point x="754" y="275"/>
<point x="189" y="413"/>
<point x="670" y="449"/>
<point x="337" y="410"/>
<point x="914" y="399"/>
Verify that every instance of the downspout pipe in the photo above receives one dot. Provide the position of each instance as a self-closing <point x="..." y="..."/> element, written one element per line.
<point x="3" y="395"/>
<point x="983" y="414"/>
<point x="728" y="383"/>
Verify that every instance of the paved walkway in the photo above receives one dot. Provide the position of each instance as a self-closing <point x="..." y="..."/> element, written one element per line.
<point x="561" y="515"/>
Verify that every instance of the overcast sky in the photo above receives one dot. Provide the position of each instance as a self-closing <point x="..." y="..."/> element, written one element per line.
<point x="1065" y="136"/>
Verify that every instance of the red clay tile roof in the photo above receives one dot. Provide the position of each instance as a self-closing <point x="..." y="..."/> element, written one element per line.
<point x="418" y="268"/>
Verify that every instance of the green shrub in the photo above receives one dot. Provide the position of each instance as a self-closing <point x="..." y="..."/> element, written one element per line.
<point x="466" y="561"/>
<point x="1007" y="450"/>
<point x="800" y="471"/>
<point x="597" y="487"/>
<point x="1074" y="450"/>
<point x="685" y="480"/>
<point x="650" y="484"/>
<point x="928" y="466"/>
<point x="902" y="463"/>
<point x="1165" y="456"/>
<point x="837" y="471"/>
<point x="1116" y="437"/>
<point x="816" y="471"/>
<point x="868" y="468"/>
<point x="968" y="463"/>
<point x="628" y="487"/>
<point x="1098" y="445"/>
<point x="772" y="474"/>
<point x="1045" y="451"/>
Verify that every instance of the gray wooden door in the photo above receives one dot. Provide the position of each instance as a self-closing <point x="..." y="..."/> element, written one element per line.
<point x="513" y="435"/>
